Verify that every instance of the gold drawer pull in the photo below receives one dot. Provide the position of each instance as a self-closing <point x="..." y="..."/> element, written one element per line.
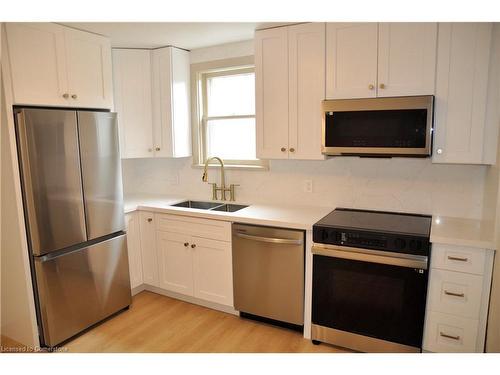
<point x="458" y="258"/>
<point x="449" y="336"/>
<point x="454" y="294"/>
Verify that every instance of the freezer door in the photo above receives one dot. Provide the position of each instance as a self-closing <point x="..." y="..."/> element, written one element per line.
<point x="51" y="179"/>
<point x="80" y="288"/>
<point x="101" y="172"/>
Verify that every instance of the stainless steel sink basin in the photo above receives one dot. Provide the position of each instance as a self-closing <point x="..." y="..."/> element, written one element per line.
<point x="229" y="207"/>
<point x="212" y="206"/>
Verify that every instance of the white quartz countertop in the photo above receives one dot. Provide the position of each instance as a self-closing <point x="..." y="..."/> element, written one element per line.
<point x="463" y="232"/>
<point x="289" y="216"/>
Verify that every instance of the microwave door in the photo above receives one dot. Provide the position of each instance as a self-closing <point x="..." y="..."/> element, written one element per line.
<point x="101" y="172"/>
<point x="51" y="179"/>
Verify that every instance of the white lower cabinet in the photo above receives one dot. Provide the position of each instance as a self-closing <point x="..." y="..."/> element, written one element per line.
<point x="148" y="248"/>
<point x="457" y="299"/>
<point x="134" y="248"/>
<point x="212" y="271"/>
<point x="194" y="257"/>
<point x="447" y="333"/>
<point x="175" y="260"/>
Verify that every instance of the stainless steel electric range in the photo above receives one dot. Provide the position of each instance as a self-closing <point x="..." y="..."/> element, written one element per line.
<point x="370" y="280"/>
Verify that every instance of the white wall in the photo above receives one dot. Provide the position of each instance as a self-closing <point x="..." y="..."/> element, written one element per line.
<point x="400" y="184"/>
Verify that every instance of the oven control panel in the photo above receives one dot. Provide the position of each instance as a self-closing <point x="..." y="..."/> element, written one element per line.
<point x="371" y="240"/>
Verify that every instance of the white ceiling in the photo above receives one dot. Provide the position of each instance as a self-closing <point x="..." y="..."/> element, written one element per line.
<point x="188" y="35"/>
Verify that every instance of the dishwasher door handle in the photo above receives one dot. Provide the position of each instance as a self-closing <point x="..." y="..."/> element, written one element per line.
<point x="284" y="241"/>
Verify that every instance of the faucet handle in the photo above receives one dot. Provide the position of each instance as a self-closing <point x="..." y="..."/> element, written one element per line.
<point x="231" y="191"/>
<point x="214" y="190"/>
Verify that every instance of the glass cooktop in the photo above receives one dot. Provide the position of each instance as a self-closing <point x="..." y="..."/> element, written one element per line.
<point x="378" y="221"/>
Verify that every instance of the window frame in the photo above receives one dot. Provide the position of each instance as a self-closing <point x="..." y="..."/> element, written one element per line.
<point x="200" y="73"/>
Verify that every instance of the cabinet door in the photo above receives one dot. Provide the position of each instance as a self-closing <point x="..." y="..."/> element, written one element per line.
<point x="134" y="248"/>
<point x="406" y="58"/>
<point x="461" y="92"/>
<point x="88" y="61"/>
<point x="148" y="249"/>
<point x="171" y="102"/>
<point x="212" y="271"/>
<point x="175" y="262"/>
<point x="132" y="84"/>
<point x="351" y="60"/>
<point x="306" y="49"/>
<point x="271" y="85"/>
<point x="37" y="63"/>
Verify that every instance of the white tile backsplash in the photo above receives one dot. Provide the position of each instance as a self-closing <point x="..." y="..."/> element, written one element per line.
<point x="399" y="184"/>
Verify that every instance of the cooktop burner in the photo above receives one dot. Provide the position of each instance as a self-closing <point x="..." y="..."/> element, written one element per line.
<point x="380" y="230"/>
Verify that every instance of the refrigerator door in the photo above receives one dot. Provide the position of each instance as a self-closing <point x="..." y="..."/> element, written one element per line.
<point x="51" y="179"/>
<point x="101" y="172"/>
<point x="82" y="287"/>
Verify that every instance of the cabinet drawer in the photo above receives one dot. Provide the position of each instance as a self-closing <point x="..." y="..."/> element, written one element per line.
<point x="449" y="334"/>
<point x="205" y="228"/>
<point x="455" y="293"/>
<point x="458" y="258"/>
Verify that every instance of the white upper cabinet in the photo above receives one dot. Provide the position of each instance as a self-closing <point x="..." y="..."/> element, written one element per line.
<point x="271" y="88"/>
<point x="132" y="86"/>
<point x="37" y="63"/>
<point x="406" y="58"/>
<point x="306" y="69"/>
<point x="467" y="84"/>
<point x="367" y="60"/>
<point x="88" y="58"/>
<point x="290" y="86"/>
<point x="171" y="102"/>
<point x="351" y="60"/>
<point x="54" y="65"/>
<point x="152" y="99"/>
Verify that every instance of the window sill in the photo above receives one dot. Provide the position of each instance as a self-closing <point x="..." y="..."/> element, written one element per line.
<point x="234" y="166"/>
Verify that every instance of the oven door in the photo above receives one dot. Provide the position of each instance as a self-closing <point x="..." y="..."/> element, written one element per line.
<point x="368" y="301"/>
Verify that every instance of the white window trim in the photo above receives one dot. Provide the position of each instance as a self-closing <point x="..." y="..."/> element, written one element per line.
<point x="198" y="107"/>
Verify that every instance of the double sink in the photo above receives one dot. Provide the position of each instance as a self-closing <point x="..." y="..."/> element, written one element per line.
<point x="210" y="206"/>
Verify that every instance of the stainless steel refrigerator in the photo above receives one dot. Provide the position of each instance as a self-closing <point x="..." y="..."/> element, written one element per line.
<point x="73" y="206"/>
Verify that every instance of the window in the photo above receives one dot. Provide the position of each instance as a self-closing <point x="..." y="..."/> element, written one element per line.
<point x="225" y="122"/>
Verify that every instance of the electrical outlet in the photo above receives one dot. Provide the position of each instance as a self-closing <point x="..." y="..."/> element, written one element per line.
<point x="308" y="186"/>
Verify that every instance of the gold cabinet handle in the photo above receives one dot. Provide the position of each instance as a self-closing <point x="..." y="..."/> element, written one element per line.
<point x="292" y="149"/>
<point x="462" y="295"/>
<point x="74" y="96"/>
<point x="442" y="334"/>
<point x="382" y="86"/>
<point x="65" y="95"/>
<point x="157" y="149"/>
<point x="186" y="244"/>
<point x="458" y="258"/>
<point x="193" y="246"/>
<point x="371" y="87"/>
<point x="283" y="149"/>
<point x="150" y="220"/>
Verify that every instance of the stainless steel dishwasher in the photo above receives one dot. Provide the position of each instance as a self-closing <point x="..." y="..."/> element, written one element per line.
<point x="268" y="272"/>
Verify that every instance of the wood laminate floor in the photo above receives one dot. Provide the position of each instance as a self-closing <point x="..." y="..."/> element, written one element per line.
<point x="155" y="323"/>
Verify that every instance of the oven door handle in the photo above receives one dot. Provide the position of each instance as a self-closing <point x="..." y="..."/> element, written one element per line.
<point x="371" y="256"/>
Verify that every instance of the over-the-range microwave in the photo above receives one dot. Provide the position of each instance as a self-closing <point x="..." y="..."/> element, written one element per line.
<point x="383" y="127"/>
